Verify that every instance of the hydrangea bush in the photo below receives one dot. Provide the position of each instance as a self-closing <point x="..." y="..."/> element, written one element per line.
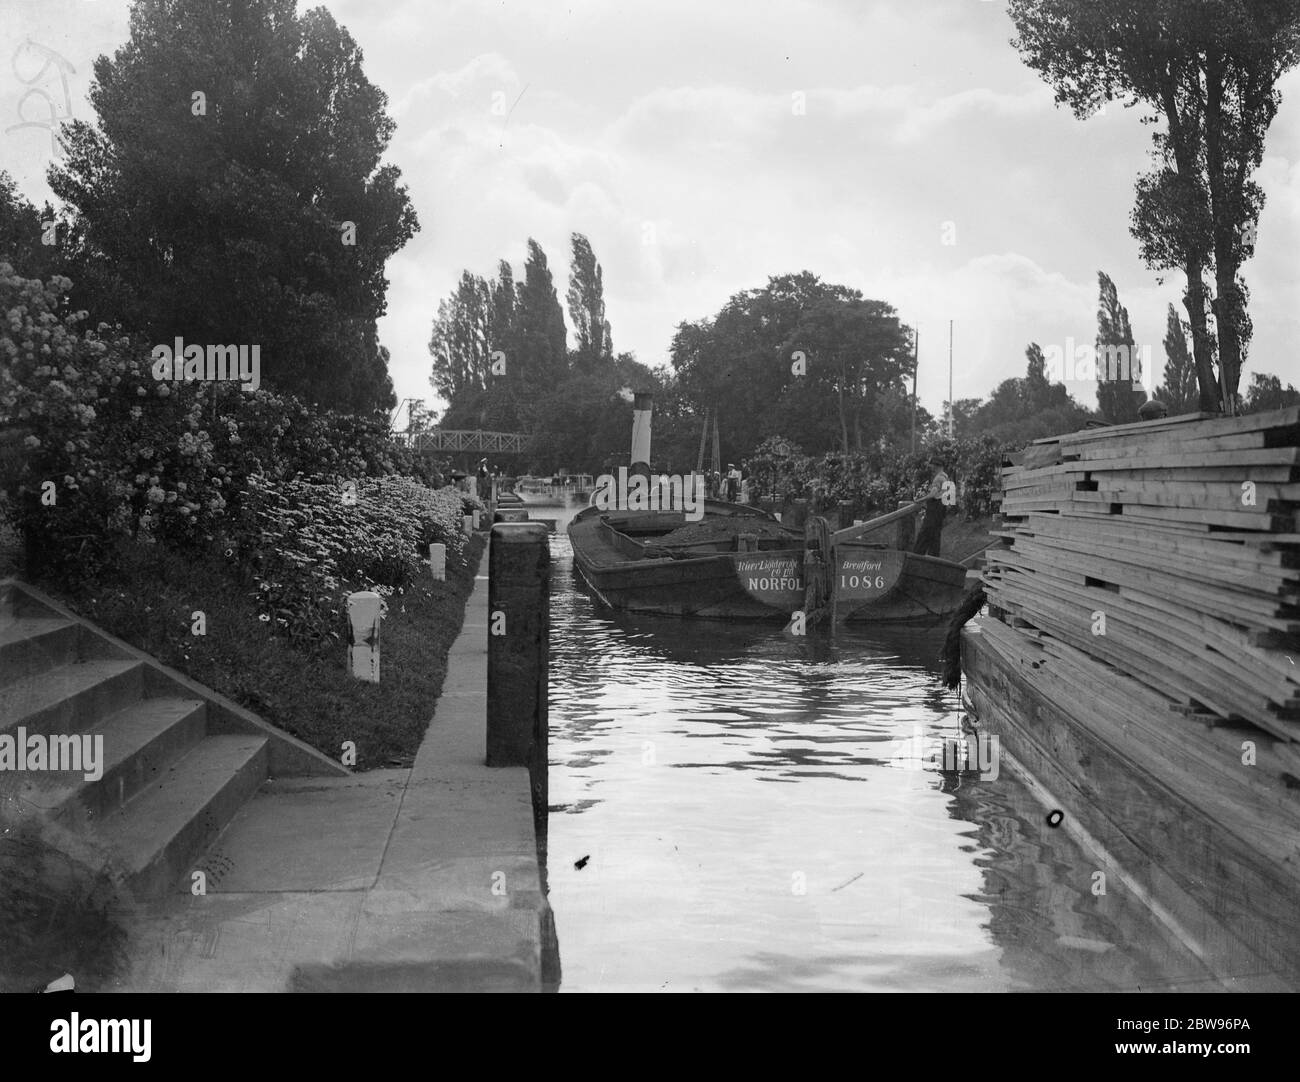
<point x="310" y="544"/>
<point x="93" y="448"/>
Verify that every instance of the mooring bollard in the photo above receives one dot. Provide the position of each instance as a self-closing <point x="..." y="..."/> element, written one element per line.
<point x="519" y="573"/>
<point x="365" y="610"/>
<point x="438" y="561"/>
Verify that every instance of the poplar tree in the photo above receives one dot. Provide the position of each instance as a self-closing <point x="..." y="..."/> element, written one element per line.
<point x="586" y="299"/>
<point x="1116" y="401"/>
<point x="1179" y="391"/>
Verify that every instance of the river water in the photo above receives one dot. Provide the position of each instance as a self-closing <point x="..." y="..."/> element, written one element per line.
<point x="737" y="808"/>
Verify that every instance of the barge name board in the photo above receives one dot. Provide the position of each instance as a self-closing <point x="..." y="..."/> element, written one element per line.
<point x="774" y="580"/>
<point x="861" y="576"/>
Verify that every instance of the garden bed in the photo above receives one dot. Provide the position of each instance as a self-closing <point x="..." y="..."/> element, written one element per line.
<point x="149" y="597"/>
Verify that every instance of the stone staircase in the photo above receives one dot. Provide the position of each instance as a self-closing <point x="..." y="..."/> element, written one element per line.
<point x="178" y="759"/>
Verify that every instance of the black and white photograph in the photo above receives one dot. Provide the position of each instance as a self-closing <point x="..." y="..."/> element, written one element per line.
<point x="651" y="496"/>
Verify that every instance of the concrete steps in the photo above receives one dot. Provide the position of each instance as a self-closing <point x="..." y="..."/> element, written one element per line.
<point x="159" y="833"/>
<point x="170" y="763"/>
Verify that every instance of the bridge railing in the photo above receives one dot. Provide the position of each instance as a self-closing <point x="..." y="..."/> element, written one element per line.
<point x="440" y="439"/>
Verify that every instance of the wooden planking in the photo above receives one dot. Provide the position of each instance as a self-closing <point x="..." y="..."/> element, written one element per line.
<point x="1146" y="523"/>
<point x="1188" y="427"/>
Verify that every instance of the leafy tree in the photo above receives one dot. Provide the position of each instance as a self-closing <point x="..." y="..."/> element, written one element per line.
<point x="585" y="423"/>
<point x="1266" y="393"/>
<point x="858" y="349"/>
<point x="1021" y="410"/>
<point x="798" y="356"/>
<point x="460" y="343"/>
<point x="499" y="348"/>
<point x="22" y="233"/>
<point x="231" y="191"/>
<point x="963" y="411"/>
<point x="1209" y="68"/>
<point x="1116" y="400"/>
<point x="1179" y="391"/>
<point x="586" y="299"/>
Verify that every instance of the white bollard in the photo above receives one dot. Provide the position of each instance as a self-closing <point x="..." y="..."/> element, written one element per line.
<point x="438" y="561"/>
<point x="364" y="609"/>
<point x="468" y="522"/>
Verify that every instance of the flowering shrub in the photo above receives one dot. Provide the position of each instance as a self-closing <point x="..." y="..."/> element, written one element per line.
<point x="876" y="481"/>
<point x="309" y="545"/>
<point x="93" y="446"/>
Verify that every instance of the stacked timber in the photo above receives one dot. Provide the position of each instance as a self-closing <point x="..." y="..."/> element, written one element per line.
<point x="1157" y="566"/>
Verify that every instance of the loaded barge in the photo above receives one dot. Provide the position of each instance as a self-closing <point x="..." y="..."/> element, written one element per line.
<point x="710" y="558"/>
<point x="1140" y="663"/>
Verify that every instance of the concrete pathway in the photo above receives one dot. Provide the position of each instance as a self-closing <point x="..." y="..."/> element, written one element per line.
<point x="391" y="880"/>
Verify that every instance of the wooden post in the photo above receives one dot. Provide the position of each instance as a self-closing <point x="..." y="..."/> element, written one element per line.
<point x="519" y="580"/>
<point x="905" y="530"/>
<point x="364" y="613"/>
<point x="438" y="561"/>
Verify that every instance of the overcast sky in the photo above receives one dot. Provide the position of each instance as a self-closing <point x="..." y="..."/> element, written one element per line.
<point x="669" y="132"/>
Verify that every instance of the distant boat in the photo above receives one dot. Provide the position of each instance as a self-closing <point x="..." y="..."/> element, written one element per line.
<point x="629" y="561"/>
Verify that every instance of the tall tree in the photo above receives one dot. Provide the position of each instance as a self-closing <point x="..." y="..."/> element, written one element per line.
<point x="856" y="349"/>
<point x="741" y="362"/>
<point x="460" y="343"/>
<point x="1020" y="410"/>
<point x="1179" y="391"/>
<point x="541" y="338"/>
<point x="1038" y="388"/>
<point x="231" y="191"/>
<point x="586" y="298"/>
<point x="1209" y="69"/>
<point x="1117" y="401"/>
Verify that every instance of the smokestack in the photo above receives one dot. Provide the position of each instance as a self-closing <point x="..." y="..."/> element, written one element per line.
<point x="642" y="407"/>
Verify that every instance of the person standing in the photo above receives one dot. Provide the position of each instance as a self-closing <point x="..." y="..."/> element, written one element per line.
<point x="931" y="532"/>
<point x="733" y="482"/>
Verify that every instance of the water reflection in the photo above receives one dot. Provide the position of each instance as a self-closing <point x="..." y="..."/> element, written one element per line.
<point x="751" y="820"/>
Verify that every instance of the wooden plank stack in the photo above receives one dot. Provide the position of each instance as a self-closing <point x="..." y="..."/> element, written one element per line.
<point x="1159" y="563"/>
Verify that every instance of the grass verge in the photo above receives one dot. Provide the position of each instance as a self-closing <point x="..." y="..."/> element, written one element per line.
<point x="151" y="598"/>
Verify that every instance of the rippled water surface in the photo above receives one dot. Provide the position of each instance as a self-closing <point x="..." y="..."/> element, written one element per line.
<point x="737" y="808"/>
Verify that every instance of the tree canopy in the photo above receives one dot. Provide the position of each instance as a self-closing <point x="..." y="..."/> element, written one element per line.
<point x="231" y="190"/>
<point x="1208" y="69"/>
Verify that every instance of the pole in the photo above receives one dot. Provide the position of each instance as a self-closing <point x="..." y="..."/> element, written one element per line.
<point x="916" y="361"/>
<point x="951" y="411"/>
